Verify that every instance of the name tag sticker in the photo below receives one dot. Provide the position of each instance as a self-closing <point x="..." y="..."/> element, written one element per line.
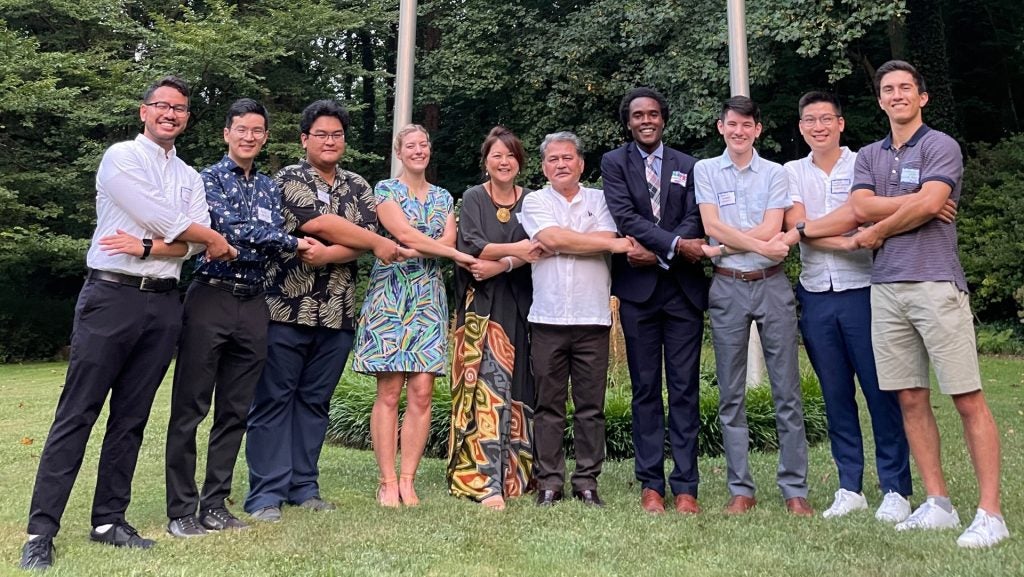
<point x="323" y="197"/>
<point x="841" y="186"/>
<point x="910" y="176"/>
<point x="263" y="213"/>
<point x="727" y="198"/>
<point x="678" y="178"/>
<point x="519" y="217"/>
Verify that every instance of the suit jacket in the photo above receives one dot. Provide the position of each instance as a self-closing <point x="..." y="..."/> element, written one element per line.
<point x="625" y="189"/>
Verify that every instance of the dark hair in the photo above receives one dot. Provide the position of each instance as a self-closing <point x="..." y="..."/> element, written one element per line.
<point x="169" y="81"/>
<point x="893" y="66"/>
<point x="244" y="106"/>
<point x="323" y="108"/>
<point x="743" y="106"/>
<point x="815" y="97"/>
<point x="506" y="137"/>
<point x="641" y="92"/>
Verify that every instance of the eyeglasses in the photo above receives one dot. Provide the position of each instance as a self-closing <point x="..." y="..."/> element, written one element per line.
<point x="325" y="136"/>
<point x="826" y="120"/>
<point x="163" y="107"/>
<point x="242" y="132"/>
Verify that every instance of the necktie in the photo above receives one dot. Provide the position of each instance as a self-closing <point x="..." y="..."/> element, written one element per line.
<point x="653" y="187"/>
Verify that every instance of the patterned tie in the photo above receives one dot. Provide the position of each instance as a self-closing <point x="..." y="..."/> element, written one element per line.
<point x="654" y="188"/>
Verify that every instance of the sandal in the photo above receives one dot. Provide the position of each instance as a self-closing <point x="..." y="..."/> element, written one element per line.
<point x="494" y="503"/>
<point x="386" y="491"/>
<point x="410" y="500"/>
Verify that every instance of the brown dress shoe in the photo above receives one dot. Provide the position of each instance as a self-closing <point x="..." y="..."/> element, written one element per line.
<point x="687" y="504"/>
<point x="652" y="502"/>
<point x="799" y="507"/>
<point x="740" y="504"/>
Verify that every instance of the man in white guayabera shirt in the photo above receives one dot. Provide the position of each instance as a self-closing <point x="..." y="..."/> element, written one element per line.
<point x="127" y="320"/>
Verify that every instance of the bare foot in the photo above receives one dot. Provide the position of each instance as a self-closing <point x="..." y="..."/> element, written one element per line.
<point x="406" y="491"/>
<point x="494" y="503"/>
<point x="387" y="494"/>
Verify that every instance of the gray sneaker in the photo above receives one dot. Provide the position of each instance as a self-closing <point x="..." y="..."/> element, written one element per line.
<point x="267" y="514"/>
<point x="185" y="527"/>
<point x="318" y="504"/>
<point x="219" y="519"/>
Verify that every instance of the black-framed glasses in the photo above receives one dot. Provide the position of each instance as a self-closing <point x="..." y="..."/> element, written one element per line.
<point x="163" y="107"/>
<point x="325" y="136"/>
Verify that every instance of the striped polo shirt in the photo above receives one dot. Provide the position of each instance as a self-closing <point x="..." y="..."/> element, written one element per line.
<point x="928" y="252"/>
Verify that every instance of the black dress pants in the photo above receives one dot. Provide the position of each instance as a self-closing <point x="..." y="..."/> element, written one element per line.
<point x="121" y="345"/>
<point x="560" y="354"/>
<point x="222" y="351"/>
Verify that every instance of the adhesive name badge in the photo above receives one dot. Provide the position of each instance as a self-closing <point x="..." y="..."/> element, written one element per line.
<point x="678" y="178"/>
<point x="727" y="198"/>
<point x="841" y="186"/>
<point x="263" y="213"/>
<point x="519" y="217"/>
<point x="323" y="197"/>
<point x="185" y="195"/>
<point x="910" y="176"/>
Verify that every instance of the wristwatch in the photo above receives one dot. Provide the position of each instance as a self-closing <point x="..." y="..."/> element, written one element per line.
<point x="147" y="247"/>
<point x="800" y="228"/>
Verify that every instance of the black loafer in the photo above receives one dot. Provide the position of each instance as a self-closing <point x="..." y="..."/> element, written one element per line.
<point x="589" y="497"/>
<point x="548" y="497"/>
<point x="37" y="553"/>
<point x="121" y="534"/>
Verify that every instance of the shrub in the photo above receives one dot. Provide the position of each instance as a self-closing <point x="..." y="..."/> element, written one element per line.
<point x="353" y="401"/>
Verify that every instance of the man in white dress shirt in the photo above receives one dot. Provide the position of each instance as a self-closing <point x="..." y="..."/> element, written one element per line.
<point x="127" y="320"/>
<point x="835" y="317"/>
<point x="570" y="318"/>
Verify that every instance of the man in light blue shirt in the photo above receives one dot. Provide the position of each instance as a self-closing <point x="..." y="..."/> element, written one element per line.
<point x="742" y="200"/>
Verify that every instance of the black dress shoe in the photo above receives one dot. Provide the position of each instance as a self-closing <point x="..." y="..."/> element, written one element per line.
<point x="37" y="553"/>
<point x="548" y="497"/>
<point x="589" y="497"/>
<point x="121" y="534"/>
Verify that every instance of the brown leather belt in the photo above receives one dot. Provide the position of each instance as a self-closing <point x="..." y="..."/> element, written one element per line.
<point x="143" y="283"/>
<point x="235" y="288"/>
<point x="750" y="275"/>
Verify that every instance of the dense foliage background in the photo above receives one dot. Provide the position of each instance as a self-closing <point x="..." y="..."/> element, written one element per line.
<point x="71" y="73"/>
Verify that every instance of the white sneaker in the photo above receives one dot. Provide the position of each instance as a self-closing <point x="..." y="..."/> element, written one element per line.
<point x="930" y="516"/>
<point x="985" y="531"/>
<point x="894" y="508"/>
<point x="846" y="502"/>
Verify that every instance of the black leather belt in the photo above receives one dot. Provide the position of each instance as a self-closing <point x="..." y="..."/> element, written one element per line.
<point x="750" y="275"/>
<point x="235" y="288"/>
<point x="143" y="283"/>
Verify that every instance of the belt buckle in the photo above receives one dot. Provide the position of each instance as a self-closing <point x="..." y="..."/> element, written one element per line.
<point x="242" y="290"/>
<point x="149" y="284"/>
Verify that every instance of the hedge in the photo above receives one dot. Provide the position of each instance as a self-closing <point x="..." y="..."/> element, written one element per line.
<point x="353" y="402"/>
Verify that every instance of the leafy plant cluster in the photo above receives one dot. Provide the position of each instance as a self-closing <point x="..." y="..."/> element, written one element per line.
<point x="354" y="397"/>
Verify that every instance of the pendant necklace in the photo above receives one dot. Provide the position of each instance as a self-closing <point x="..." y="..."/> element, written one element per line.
<point x="502" y="212"/>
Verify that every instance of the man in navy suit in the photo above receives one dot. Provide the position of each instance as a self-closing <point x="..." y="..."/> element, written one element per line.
<point x="663" y="294"/>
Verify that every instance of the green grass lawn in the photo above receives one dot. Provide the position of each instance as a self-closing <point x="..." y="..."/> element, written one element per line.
<point x="451" y="537"/>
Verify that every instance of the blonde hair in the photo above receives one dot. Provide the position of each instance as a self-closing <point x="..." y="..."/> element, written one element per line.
<point x="406" y="131"/>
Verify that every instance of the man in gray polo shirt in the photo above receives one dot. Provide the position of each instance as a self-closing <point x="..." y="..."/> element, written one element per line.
<point x="919" y="302"/>
<point x="742" y="199"/>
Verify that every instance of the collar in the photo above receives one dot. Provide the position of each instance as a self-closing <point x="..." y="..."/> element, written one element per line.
<point x="918" y="135"/>
<point x="658" y="153"/>
<point x="306" y="166"/>
<point x="725" y="161"/>
<point x="844" y="156"/>
<point x="155" y="149"/>
<point x="227" y="163"/>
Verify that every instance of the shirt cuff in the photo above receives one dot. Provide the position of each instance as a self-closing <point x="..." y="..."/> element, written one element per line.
<point x="179" y="226"/>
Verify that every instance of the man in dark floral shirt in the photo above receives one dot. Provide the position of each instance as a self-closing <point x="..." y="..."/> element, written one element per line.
<point x="312" y="312"/>
<point x="224" y="336"/>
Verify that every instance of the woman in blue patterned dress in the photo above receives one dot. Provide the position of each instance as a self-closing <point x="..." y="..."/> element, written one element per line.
<point x="403" y="329"/>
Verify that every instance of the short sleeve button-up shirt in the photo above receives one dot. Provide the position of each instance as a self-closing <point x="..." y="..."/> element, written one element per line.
<point x="569" y="289"/>
<point x="742" y="197"/>
<point x="821" y="193"/>
<point x="325" y="296"/>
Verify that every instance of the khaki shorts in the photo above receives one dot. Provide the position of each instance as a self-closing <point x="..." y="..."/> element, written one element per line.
<point x="912" y="322"/>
